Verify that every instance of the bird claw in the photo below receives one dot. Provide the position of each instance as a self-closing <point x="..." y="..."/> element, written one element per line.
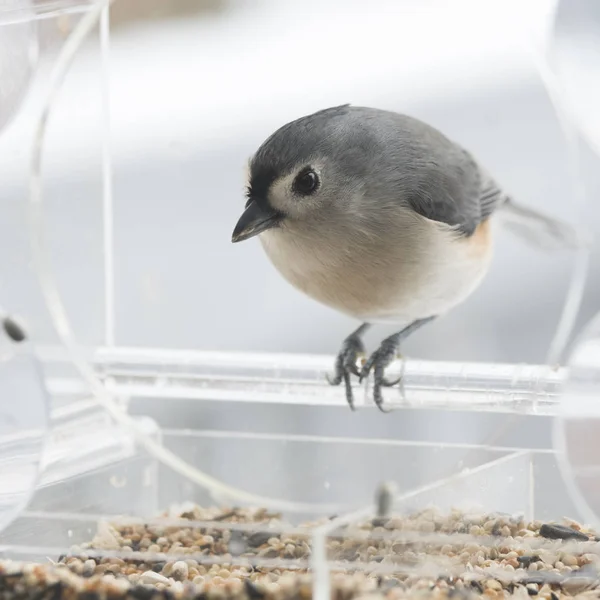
<point x="385" y="382"/>
<point x="377" y="362"/>
<point x="345" y="365"/>
<point x="381" y="358"/>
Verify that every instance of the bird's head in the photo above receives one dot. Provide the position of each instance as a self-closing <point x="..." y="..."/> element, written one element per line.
<point x="309" y="171"/>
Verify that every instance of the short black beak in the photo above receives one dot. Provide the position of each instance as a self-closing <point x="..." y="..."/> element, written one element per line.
<point x="257" y="217"/>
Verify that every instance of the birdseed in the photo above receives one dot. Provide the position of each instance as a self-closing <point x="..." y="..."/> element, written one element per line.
<point x="243" y="554"/>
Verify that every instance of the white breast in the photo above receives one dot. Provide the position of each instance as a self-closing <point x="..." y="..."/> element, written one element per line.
<point x="420" y="270"/>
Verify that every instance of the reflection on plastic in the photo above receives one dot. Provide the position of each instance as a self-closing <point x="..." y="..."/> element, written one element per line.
<point x="576" y="60"/>
<point x="18" y="55"/>
<point x="23" y="421"/>
<point x="577" y="428"/>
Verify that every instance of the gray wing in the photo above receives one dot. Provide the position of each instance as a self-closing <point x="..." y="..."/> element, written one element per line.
<point x="407" y="160"/>
<point x="450" y="187"/>
<point x="436" y="177"/>
<point x="459" y="193"/>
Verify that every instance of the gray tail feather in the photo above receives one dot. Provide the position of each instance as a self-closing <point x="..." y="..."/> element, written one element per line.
<point x="541" y="230"/>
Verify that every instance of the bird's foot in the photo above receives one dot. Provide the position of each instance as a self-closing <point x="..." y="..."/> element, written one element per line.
<point x="377" y="362"/>
<point x="346" y="364"/>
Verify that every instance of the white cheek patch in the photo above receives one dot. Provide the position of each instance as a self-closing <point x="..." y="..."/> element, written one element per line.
<point x="281" y="196"/>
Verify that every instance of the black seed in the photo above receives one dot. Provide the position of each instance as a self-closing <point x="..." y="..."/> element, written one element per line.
<point x="389" y="584"/>
<point x="525" y="561"/>
<point x="55" y="591"/>
<point x="532" y="592"/>
<point x="349" y="554"/>
<point x="157" y="567"/>
<point x="7" y="577"/>
<point x="227" y="515"/>
<point x="259" y="538"/>
<point x="252" y="590"/>
<point x="141" y="592"/>
<point x="168" y="594"/>
<point x="561" y="532"/>
<point x="13" y="330"/>
<point x="477" y="586"/>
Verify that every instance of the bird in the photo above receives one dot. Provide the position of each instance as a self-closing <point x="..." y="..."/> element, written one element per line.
<point x="383" y="218"/>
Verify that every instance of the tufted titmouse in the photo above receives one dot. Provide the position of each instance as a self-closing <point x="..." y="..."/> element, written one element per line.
<point x="379" y="216"/>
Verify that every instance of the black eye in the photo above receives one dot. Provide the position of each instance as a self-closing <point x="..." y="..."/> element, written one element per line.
<point x="306" y="182"/>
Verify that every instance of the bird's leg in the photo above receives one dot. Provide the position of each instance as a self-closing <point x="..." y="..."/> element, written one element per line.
<point x="384" y="355"/>
<point x="345" y="363"/>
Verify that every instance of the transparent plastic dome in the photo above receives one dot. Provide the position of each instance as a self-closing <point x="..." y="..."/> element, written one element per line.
<point x="149" y="431"/>
<point x="23" y="420"/>
<point x="575" y="54"/>
<point x="18" y="56"/>
<point x="577" y="429"/>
